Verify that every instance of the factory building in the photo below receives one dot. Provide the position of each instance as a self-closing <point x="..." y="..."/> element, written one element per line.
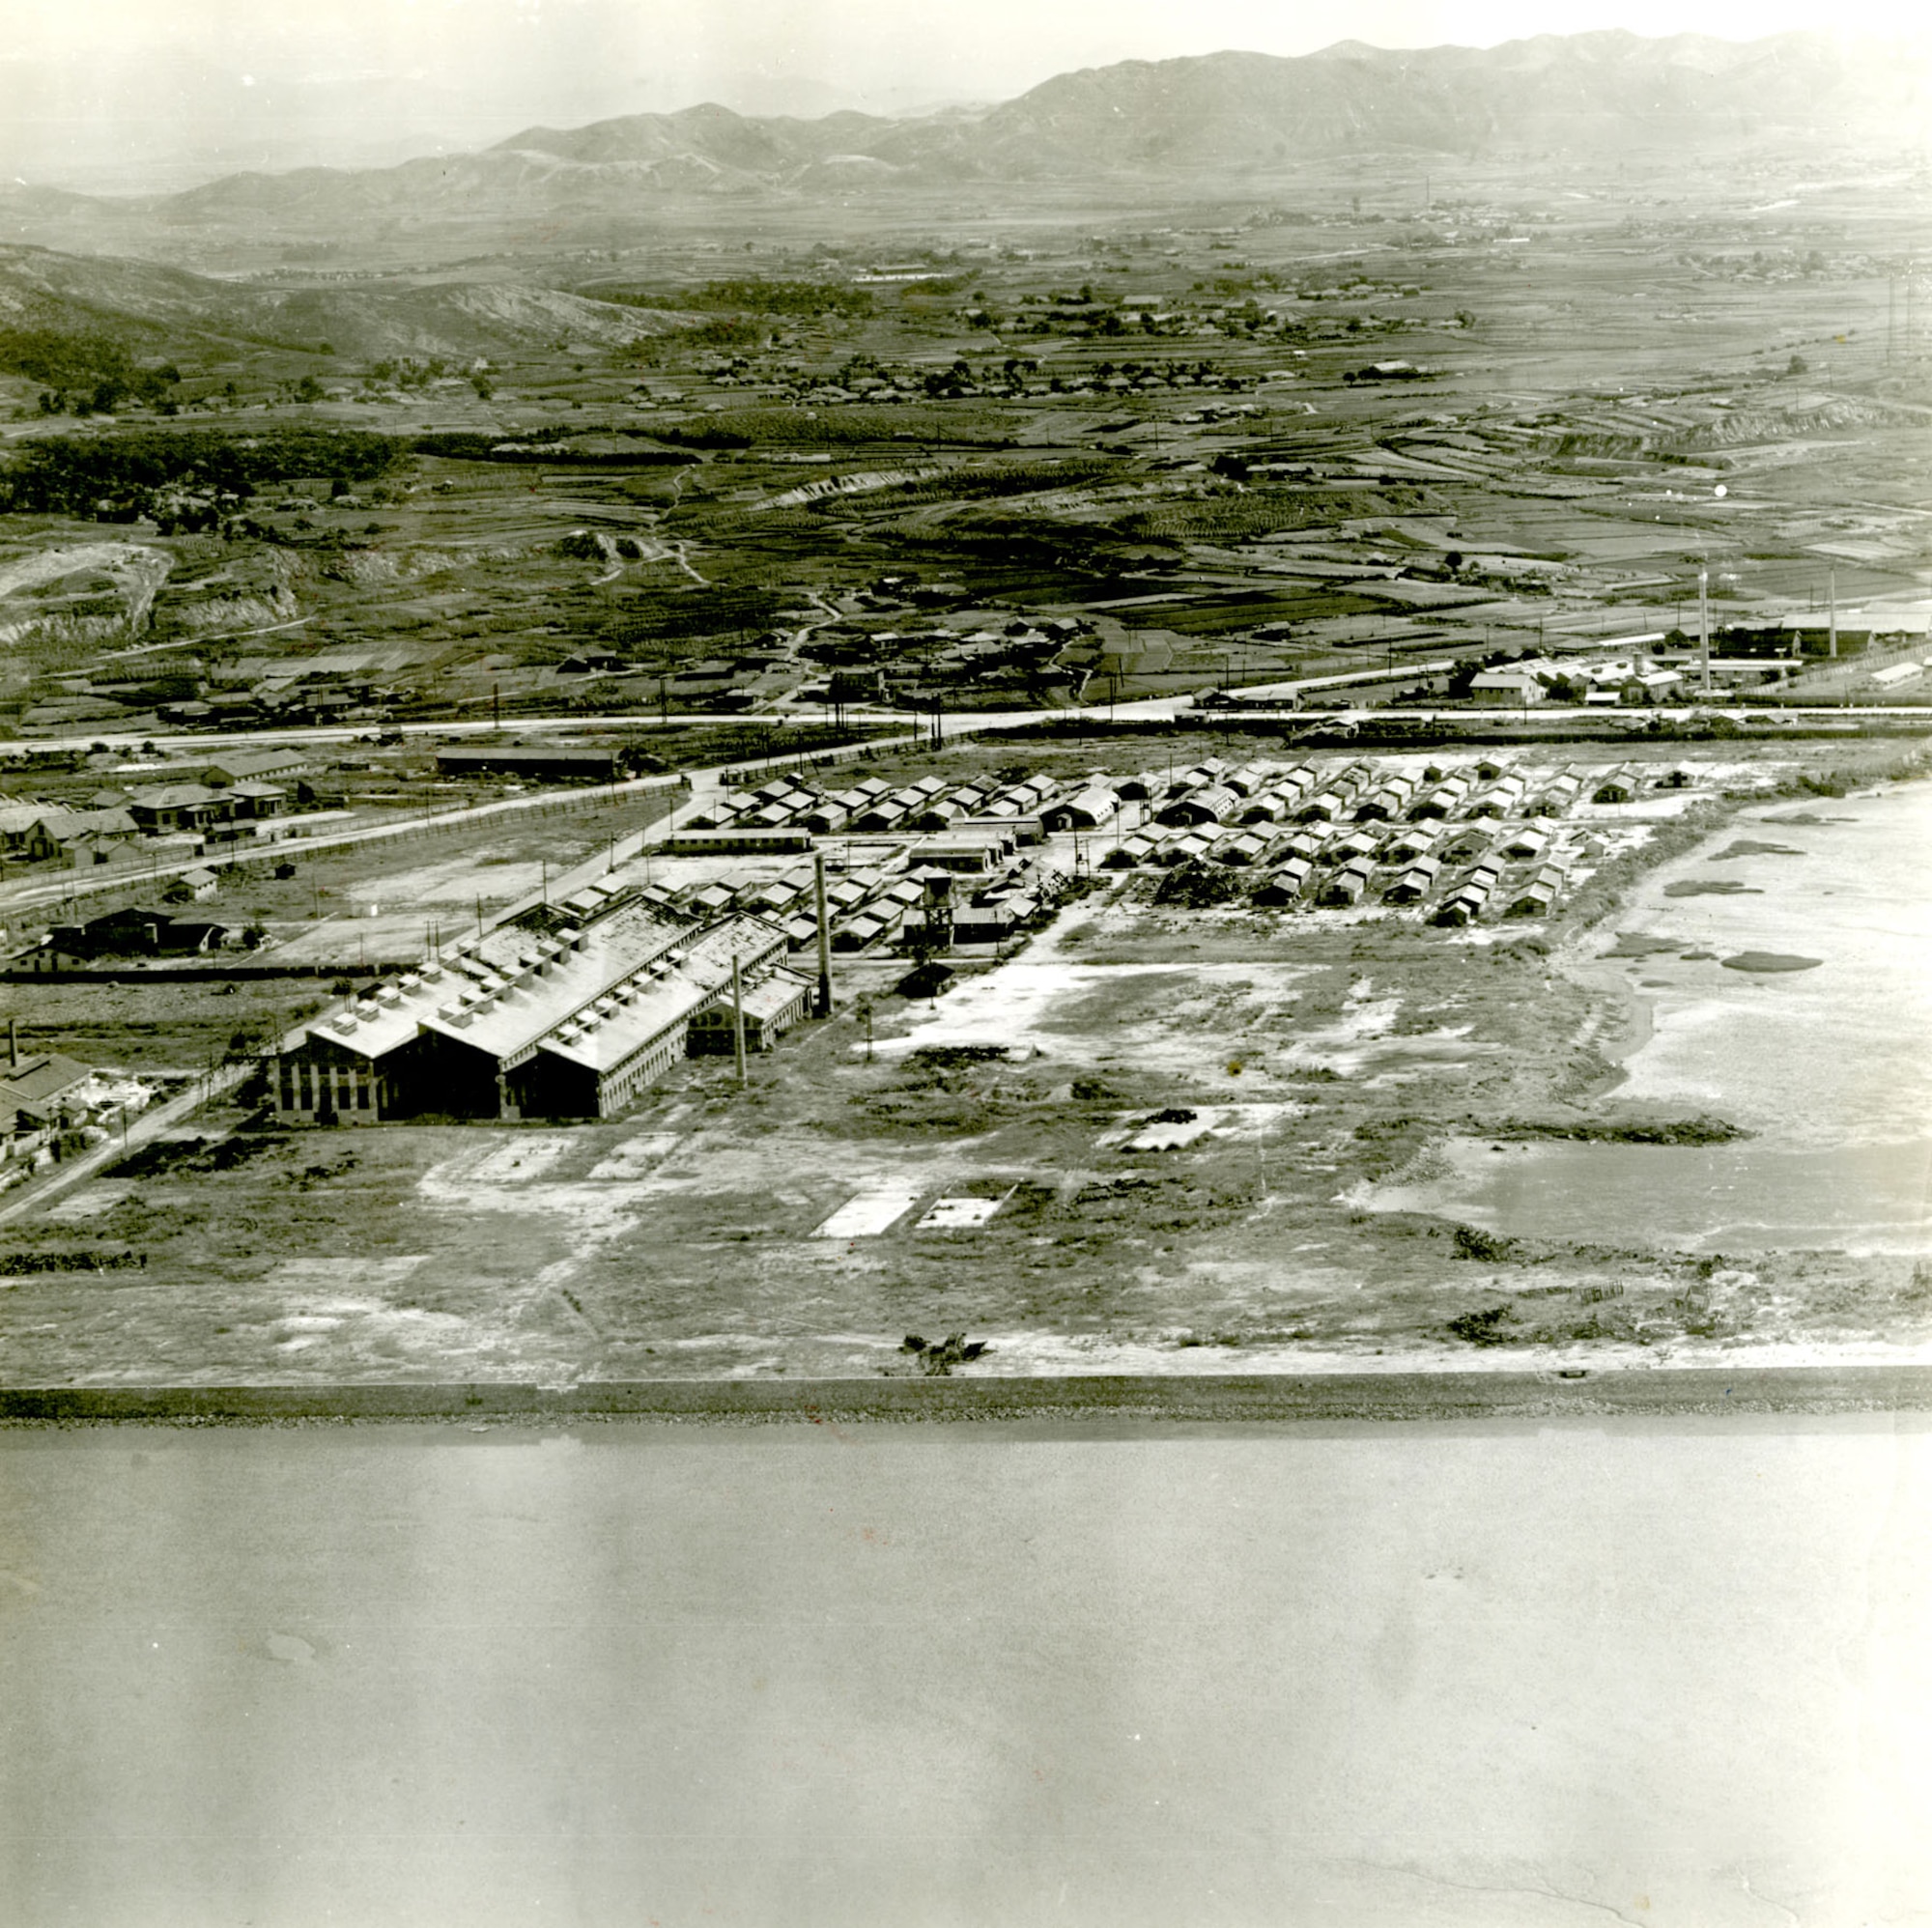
<point x="770" y="1008"/>
<point x="518" y="1025"/>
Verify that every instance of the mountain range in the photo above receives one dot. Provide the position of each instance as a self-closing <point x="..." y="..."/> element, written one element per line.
<point x="1223" y="117"/>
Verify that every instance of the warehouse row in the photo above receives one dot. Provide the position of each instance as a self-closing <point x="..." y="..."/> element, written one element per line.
<point x="980" y="890"/>
<point x="1212" y="791"/>
<point x="570" y="1022"/>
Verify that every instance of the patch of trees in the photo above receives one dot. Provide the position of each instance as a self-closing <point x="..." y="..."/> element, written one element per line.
<point x="753" y="295"/>
<point x="746" y="295"/>
<point x="545" y="444"/>
<point x="1013" y="479"/>
<point x="407" y="372"/>
<point x="1198" y="887"/>
<point x="726" y="331"/>
<point x="25" y="1264"/>
<point x="85" y="373"/>
<point x="705" y="438"/>
<point x="117" y="475"/>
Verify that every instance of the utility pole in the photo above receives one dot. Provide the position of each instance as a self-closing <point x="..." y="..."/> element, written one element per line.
<point x="737" y="1019"/>
<point x="1704" y="624"/>
<point x="1832" y="631"/>
<point x="824" y="935"/>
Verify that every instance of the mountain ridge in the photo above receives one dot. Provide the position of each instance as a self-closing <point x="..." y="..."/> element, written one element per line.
<point x="1228" y="113"/>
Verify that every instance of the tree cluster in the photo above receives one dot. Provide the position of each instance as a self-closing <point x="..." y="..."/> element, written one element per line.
<point x="120" y="475"/>
<point x="86" y="374"/>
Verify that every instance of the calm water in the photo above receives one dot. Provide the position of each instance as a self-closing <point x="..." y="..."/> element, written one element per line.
<point x="654" y="1674"/>
<point x="1832" y="1067"/>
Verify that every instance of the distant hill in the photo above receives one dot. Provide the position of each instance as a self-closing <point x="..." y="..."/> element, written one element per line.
<point x="766" y="148"/>
<point x="150" y="310"/>
<point x="1584" y="91"/>
<point x="1223" y="115"/>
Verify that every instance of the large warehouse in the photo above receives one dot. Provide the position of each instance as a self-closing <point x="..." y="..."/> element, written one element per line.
<point x="517" y="1025"/>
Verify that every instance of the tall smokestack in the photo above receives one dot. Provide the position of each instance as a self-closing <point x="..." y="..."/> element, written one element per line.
<point x="824" y="936"/>
<point x="1832" y="631"/>
<point x="13" y="1043"/>
<point x="737" y="1018"/>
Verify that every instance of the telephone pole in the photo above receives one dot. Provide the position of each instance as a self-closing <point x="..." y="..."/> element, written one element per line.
<point x="1704" y="624"/>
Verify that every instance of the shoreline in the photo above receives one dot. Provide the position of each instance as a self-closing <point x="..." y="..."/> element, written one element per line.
<point x="1270" y="1399"/>
<point x="1596" y="971"/>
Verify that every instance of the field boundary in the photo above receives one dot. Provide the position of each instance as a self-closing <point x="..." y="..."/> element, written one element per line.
<point x="1204" y="1398"/>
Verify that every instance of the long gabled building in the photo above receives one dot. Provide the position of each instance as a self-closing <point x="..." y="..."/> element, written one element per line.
<point x="520" y="1024"/>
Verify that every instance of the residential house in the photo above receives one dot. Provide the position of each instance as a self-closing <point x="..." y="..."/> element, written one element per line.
<point x="1650" y="685"/>
<point x="59" y="831"/>
<point x="37" y="1094"/>
<point x="178" y="806"/>
<point x="1507" y="689"/>
<point x="256" y="801"/>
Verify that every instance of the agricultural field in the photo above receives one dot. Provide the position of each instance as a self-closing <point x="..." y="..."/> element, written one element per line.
<point x="1060" y="467"/>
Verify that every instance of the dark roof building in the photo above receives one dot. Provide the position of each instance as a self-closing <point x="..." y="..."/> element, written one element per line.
<point x="132" y="933"/>
<point x="244" y="766"/>
<point x="548" y="763"/>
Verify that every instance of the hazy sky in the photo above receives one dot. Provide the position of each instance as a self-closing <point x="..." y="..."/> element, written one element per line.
<point x="109" y="91"/>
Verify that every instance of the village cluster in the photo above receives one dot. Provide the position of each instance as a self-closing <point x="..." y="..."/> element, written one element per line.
<point x="231" y="798"/>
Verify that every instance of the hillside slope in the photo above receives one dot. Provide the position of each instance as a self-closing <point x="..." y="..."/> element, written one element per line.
<point x="154" y="309"/>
